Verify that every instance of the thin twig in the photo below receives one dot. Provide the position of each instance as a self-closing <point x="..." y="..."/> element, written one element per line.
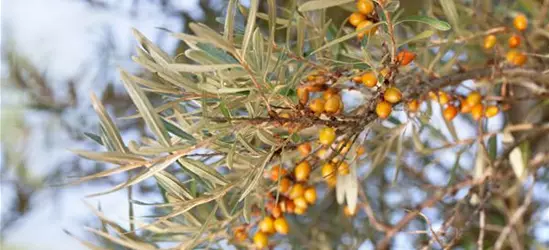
<point x="514" y="219"/>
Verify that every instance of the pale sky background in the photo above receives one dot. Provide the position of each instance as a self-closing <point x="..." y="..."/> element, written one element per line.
<point x="62" y="38"/>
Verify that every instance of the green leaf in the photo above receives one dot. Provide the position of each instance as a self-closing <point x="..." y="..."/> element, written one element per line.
<point x="94" y="137"/>
<point x="449" y="8"/>
<point x="321" y="4"/>
<point x="177" y="131"/>
<point x="423" y="35"/>
<point x="250" y="24"/>
<point x="433" y="22"/>
<point x="181" y="67"/>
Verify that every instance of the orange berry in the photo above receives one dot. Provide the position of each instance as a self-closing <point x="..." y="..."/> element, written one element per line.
<point x="365" y="7"/>
<point x="333" y="104"/>
<point x="348" y="212"/>
<point x="287" y="206"/>
<point x="240" y="235"/>
<point x="491" y="111"/>
<point x="477" y="111"/>
<point x="276" y="211"/>
<point x="328" y="170"/>
<point x="317" y="105"/>
<point x="326" y="135"/>
<point x="369" y="79"/>
<point x="266" y="225"/>
<point x="473" y="99"/>
<point x="356" y="18"/>
<point x="300" y="210"/>
<point x="357" y="79"/>
<point x="520" y="22"/>
<point x="405" y="57"/>
<point x="303" y="95"/>
<point x="302" y="171"/>
<point x="343" y="168"/>
<point x="519" y="59"/>
<point x="261" y="240"/>
<point x="310" y="195"/>
<point x="277" y="172"/>
<point x="413" y="106"/>
<point x="443" y="98"/>
<point x="489" y="41"/>
<point x="329" y="93"/>
<point x="450" y="112"/>
<point x="514" y="41"/>
<point x="300" y="202"/>
<point x="281" y="226"/>
<point x="297" y="190"/>
<point x="383" y="109"/>
<point x="304" y="149"/>
<point x="367" y="31"/>
<point x="511" y="54"/>
<point x="284" y="185"/>
<point x="392" y="95"/>
<point x="360" y="150"/>
<point x="433" y="96"/>
<point x="331" y="181"/>
<point x="465" y="108"/>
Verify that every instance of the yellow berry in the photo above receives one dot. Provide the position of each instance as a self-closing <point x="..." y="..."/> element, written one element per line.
<point x="369" y="79"/>
<point x="300" y="210"/>
<point x="450" y="112"/>
<point x="392" y="95"/>
<point x="296" y="191"/>
<point x="277" y="172"/>
<point x="356" y="18"/>
<point x="303" y="95"/>
<point x="321" y="153"/>
<point x="302" y="171"/>
<point x="490" y="41"/>
<point x="331" y="181"/>
<point x="326" y="135"/>
<point x="261" y="240"/>
<point x="365" y="7"/>
<point x="266" y="225"/>
<point x="413" y="106"/>
<point x="304" y="149"/>
<point x="284" y="185"/>
<point x="300" y="202"/>
<point x="473" y="99"/>
<point x="520" y="22"/>
<point x="477" y="111"/>
<point x="383" y="109"/>
<point x="310" y="195"/>
<point x="443" y="98"/>
<point x="276" y="211"/>
<point x="343" y="168"/>
<point x="333" y="104"/>
<point x="317" y="105"/>
<point x="491" y="111"/>
<point x="519" y="59"/>
<point x="328" y="170"/>
<point x="465" y="108"/>
<point x="367" y="31"/>
<point x="348" y="212"/>
<point x="281" y="226"/>
<point x="514" y="41"/>
<point x="329" y="93"/>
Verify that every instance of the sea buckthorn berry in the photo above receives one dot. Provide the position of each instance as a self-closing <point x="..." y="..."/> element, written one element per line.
<point x="383" y="109"/>
<point x="276" y="211"/>
<point x="333" y="104"/>
<point x="392" y="95"/>
<point x="321" y="153"/>
<point x="477" y="111"/>
<point x="277" y="172"/>
<point x="343" y="168"/>
<point x="514" y="41"/>
<point x="261" y="240"/>
<point x="328" y="170"/>
<point x="240" y="234"/>
<point x="302" y="171"/>
<point x="433" y="96"/>
<point x="281" y="226"/>
<point x="331" y="181"/>
<point x="303" y="95"/>
<point x="413" y="106"/>
<point x="519" y="59"/>
<point x="464" y="107"/>
<point x="450" y="112"/>
<point x="326" y="135"/>
<point x="491" y="111"/>
<point x="304" y="149"/>
<point x="365" y="7"/>
<point x="369" y="79"/>
<point x="473" y="99"/>
<point x="296" y="191"/>
<point x="511" y="54"/>
<point x="489" y="41"/>
<point x="317" y="105"/>
<point x="300" y="211"/>
<point x="284" y="185"/>
<point x="266" y="225"/>
<point x="310" y="195"/>
<point x="286" y="206"/>
<point x="310" y="78"/>
<point x="329" y="93"/>
<point x="348" y="212"/>
<point x="356" y="18"/>
<point x="300" y="202"/>
<point x="360" y="150"/>
<point x="367" y="31"/>
<point x="357" y="79"/>
<point x="520" y="22"/>
<point x="405" y="57"/>
<point x="443" y="98"/>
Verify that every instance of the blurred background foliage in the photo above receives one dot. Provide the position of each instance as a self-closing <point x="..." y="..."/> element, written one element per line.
<point x="42" y="116"/>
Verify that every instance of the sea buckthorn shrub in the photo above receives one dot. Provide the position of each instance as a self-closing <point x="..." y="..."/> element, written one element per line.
<point x="328" y="124"/>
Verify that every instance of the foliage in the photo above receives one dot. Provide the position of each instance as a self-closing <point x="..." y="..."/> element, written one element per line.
<point x="236" y="109"/>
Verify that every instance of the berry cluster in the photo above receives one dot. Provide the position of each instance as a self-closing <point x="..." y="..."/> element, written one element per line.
<point x="513" y="56"/>
<point x="363" y="18"/>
